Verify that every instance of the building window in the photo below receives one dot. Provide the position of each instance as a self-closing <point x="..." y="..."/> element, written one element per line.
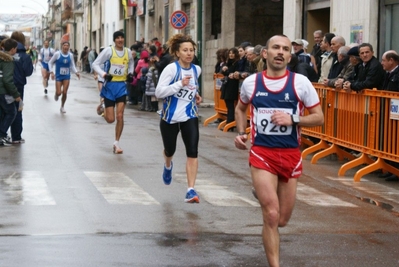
<point x="216" y="19"/>
<point x="391" y="21"/>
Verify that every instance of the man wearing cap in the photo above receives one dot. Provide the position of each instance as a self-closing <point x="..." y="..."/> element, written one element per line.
<point x="45" y="55"/>
<point x="371" y="73"/>
<point x="64" y="64"/>
<point x="355" y="62"/>
<point x="297" y="45"/>
<point x="118" y="64"/>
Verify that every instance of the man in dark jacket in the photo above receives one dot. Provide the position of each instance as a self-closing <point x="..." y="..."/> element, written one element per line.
<point x="346" y="66"/>
<point x="164" y="60"/>
<point x="390" y="62"/>
<point x="8" y="91"/>
<point x="336" y="43"/>
<point x="23" y="68"/>
<point x="371" y="73"/>
<point x="302" y="68"/>
<point x="317" y="51"/>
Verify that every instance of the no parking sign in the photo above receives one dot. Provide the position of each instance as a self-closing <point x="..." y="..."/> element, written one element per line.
<point x="179" y="20"/>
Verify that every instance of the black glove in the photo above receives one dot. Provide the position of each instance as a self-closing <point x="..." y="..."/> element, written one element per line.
<point x="129" y="78"/>
<point x="108" y="77"/>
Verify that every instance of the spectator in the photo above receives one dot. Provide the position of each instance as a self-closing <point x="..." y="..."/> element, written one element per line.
<point x="230" y="87"/>
<point x="132" y="86"/>
<point x="347" y="68"/>
<point x="151" y="84"/>
<point x="312" y="59"/>
<point x="143" y="62"/>
<point x="371" y="73"/>
<point x="92" y="56"/>
<point x="249" y="66"/>
<point x="390" y="62"/>
<point x="336" y="43"/>
<point x="8" y="90"/>
<point x="83" y="58"/>
<point x="23" y="68"/>
<point x="327" y="59"/>
<point x="257" y="61"/>
<point x="297" y="45"/>
<point x="221" y="58"/>
<point x="302" y="68"/>
<point x="317" y="51"/>
<point x="75" y="56"/>
<point x="153" y="51"/>
<point x="243" y="56"/>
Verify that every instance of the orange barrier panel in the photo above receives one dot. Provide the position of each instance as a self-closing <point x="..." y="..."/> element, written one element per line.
<point x="220" y="105"/>
<point x="358" y="122"/>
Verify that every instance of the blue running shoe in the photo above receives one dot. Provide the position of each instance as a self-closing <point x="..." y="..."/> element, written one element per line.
<point x="192" y="197"/>
<point x="167" y="174"/>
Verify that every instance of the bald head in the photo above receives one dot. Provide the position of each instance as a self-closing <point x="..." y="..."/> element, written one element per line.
<point x="336" y="43"/>
<point x="390" y="59"/>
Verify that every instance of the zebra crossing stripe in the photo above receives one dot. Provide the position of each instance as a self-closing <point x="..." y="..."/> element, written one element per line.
<point x="220" y="195"/>
<point x="27" y="188"/>
<point x="314" y="197"/>
<point x="117" y="188"/>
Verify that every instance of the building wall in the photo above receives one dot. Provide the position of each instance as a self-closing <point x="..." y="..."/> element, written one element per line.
<point x="356" y="12"/>
<point x="342" y="16"/>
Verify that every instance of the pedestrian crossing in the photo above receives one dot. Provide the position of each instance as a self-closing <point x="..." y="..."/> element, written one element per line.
<point x="117" y="188"/>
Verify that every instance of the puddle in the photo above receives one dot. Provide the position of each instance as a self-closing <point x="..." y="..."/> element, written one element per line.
<point x="380" y="204"/>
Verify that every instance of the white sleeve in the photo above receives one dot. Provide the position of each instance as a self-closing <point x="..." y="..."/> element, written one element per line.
<point x="164" y="88"/>
<point x="52" y="60"/>
<point x="102" y="57"/>
<point x="306" y="92"/>
<point x="247" y="89"/>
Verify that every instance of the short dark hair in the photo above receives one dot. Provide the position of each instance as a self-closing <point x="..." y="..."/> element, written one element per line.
<point x="9" y="44"/>
<point x="366" y="45"/>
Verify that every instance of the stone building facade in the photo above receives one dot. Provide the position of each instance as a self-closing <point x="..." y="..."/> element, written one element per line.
<point x="215" y="24"/>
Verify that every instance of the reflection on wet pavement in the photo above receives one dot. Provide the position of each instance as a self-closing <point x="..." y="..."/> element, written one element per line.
<point x="26" y="188"/>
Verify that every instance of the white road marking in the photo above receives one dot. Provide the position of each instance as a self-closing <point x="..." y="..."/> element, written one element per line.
<point x="27" y="188"/>
<point x="117" y="188"/>
<point x="218" y="195"/>
<point x="367" y="186"/>
<point x="315" y="197"/>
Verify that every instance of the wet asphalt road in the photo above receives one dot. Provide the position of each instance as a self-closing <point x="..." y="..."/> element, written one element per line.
<point x="67" y="200"/>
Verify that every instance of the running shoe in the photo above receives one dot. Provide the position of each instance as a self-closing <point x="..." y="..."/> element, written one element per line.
<point x="100" y="109"/>
<point x="117" y="149"/>
<point x="167" y="174"/>
<point x="192" y="197"/>
<point x="6" y="140"/>
<point x="45" y="91"/>
<point x="62" y="110"/>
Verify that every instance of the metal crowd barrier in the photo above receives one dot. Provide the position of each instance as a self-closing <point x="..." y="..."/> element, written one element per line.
<point x="364" y="122"/>
<point x="220" y="106"/>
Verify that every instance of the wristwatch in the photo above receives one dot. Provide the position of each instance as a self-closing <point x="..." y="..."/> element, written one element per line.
<point x="242" y="133"/>
<point x="295" y="119"/>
